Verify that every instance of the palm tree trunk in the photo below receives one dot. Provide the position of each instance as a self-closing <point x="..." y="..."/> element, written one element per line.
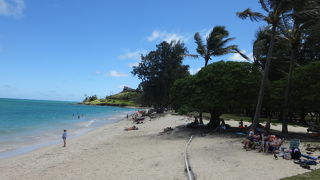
<point x="264" y="80"/>
<point x="206" y="62"/>
<point x="287" y="92"/>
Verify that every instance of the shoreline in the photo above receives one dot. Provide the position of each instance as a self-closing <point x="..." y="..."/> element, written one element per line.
<point x="114" y="105"/>
<point x="109" y="152"/>
<point x="73" y="133"/>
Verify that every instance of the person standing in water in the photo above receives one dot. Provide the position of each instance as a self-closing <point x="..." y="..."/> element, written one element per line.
<point x="64" y="137"/>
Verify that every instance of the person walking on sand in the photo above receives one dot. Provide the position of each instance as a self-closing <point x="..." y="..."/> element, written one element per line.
<point x="64" y="137"/>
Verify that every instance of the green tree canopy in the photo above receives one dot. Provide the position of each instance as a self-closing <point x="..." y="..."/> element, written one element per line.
<point x="306" y="88"/>
<point x="158" y="70"/>
<point x="218" y="88"/>
<point x="226" y="86"/>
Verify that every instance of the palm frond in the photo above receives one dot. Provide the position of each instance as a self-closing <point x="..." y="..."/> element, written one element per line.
<point x="223" y="51"/>
<point x="254" y="16"/>
<point x="284" y="29"/>
<point x="224" y="42"/>
<point x="264" y="5"/>
<point x="216" y="36"/>
<point x="236" y="50"/>
<point x="201" y="48"/>
<point x="190" y="55"/>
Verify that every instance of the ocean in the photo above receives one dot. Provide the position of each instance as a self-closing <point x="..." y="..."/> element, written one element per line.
<point x="26" y="125"/>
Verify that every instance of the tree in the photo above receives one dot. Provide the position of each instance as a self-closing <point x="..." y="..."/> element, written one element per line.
<point x="300" y="17"/>
<point x="274" y="10"/>
<point x="305" y="89"/>
<point x="183" y="96"/>
<point x="90" y="98"/>
<point x="225" y="86"/>
<point x="280" y="55"/>
<point x="215" y="44"/>
<point x="158" y="70"/>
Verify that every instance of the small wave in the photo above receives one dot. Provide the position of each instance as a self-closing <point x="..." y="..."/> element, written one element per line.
<point x="88" y="123"/>
<point x="6" y="148"/>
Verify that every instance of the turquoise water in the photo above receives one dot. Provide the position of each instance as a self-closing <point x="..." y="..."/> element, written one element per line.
<point x="26" y="124"/>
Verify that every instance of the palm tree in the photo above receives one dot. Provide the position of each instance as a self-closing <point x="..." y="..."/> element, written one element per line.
<point x="304" y="14"/>
<point x="215" y="44"/>
<point x="274" y="10"/>
<point x="280" y="59"/>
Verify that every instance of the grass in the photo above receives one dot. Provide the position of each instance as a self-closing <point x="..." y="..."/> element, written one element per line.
<point x="313" y="175"/>
<point x="124" y="96"/>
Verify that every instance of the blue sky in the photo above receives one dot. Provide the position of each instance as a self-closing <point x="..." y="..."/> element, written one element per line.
<point x="64" y="49"/>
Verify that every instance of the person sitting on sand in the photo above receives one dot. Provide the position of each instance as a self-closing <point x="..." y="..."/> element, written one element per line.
<point x="252" y="139"/>
<point x="131" y="128"/>
<point x="264" y="139"/>
<point x="223" y="125"/>
<point x="194" y="123"/>
<point x="274" y="144"/>
<point x="241" y="124"/>
<point x="64" y="137"/>
<point x="249" y="139"/>
<point x="260" y="128"/>
<point x="256" y="140"/>
<point x="268" y="126"/>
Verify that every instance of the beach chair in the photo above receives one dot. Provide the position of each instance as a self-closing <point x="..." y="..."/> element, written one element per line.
<point x="294" y="143"/>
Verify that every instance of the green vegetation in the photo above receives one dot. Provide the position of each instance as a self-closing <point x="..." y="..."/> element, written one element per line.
<point x="120" y="99"/>
<point x="158" y="70"/>
<point x="313" y="175"/>
<point x="90" y="98"/>
<point x="281" y="83"/>
<point x="221" y="86"/>
<point x="274" y="10"/>
<point x="287" y="54"/>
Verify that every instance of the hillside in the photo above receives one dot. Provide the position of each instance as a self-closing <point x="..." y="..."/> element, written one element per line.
<point x="124" y="98"/>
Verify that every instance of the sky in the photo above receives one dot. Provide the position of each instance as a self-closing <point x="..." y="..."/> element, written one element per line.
<point x="66" y="49"/>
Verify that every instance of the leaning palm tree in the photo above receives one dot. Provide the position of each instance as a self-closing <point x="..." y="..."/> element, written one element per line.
<point x="215" y="44"/>
<point x="274" y="10"/>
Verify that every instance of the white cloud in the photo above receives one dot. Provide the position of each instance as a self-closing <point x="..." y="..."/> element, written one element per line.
<point x="132" y="55"/>
<point x="115" y="73"/>
<point x="11" y="7"/>
<point x="155" y="35"/>
<point x="97" y="72"/>
<point x="194" y="71"/>
<point x="133" y="64"/>
<point x="165" y="36"/>
<point x="238" y="57"/>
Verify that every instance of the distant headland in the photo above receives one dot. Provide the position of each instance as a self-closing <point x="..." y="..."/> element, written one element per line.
<point x="128" y="97"/>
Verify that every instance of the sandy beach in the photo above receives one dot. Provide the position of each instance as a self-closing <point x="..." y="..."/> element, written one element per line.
<point x="112" y="153"/>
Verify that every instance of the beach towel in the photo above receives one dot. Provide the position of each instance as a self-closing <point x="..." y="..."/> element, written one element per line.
<point x="308" y="157"/>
